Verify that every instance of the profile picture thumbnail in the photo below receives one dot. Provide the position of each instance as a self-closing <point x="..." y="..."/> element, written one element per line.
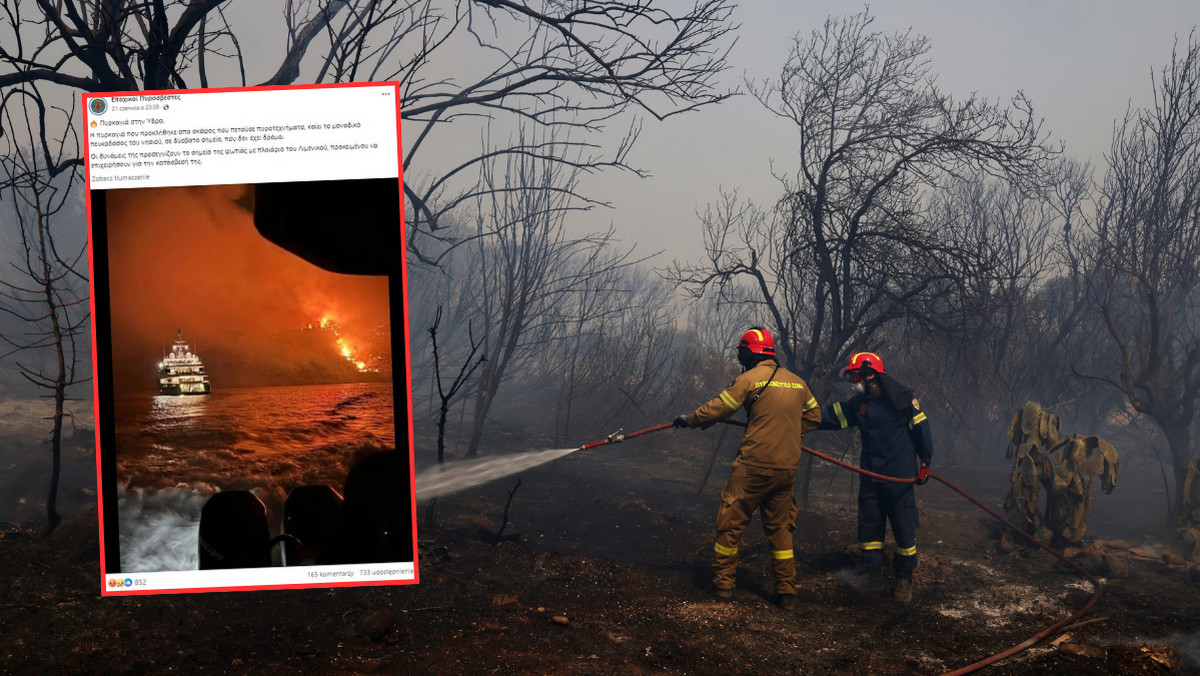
<point x="98" y="106"/>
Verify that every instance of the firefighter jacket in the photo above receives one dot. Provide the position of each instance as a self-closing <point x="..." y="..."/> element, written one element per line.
<point x="780" y="410"/>
<point x="893" y="428"/>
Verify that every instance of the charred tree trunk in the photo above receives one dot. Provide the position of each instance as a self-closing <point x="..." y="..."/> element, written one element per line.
<point x="46" y="296"/>
<point x="1179" y="439"/>
<point x="483" y="402"/>
<point x="806" y="469"/>
<point x="1145" y="253"/>
<point x="60" y="386"/>
<point x="460" y="380"/>
<point x="52" y="516"/>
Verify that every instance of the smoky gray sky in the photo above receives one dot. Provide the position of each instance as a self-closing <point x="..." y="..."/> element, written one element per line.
<point x="1080" y="62"/>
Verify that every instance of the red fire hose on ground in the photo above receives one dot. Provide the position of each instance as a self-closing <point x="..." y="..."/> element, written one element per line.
<point x="618" y="437"/>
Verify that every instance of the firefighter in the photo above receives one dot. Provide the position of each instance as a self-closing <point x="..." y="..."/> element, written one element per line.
<point x="780" y="409"/>
<point x="896" y="441"/>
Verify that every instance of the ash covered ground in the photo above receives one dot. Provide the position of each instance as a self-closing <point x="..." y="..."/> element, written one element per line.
<point x="603" y="568"/>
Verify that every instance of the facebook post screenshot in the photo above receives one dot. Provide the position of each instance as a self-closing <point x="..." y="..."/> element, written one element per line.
<point x="250" y="339"/>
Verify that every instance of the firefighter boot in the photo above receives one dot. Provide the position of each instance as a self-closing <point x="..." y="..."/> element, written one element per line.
<point x="876" y="587"/>
<point x="786" y="601"/>
<point x="903" y="592"/>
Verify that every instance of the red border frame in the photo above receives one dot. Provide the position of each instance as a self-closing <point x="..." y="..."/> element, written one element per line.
<point x="104" y="591"/>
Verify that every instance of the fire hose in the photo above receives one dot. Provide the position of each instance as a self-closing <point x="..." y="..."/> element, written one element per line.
<point x="619" y="436"/>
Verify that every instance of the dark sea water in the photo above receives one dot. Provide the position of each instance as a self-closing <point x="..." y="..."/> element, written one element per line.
<point x="174" y="452"/>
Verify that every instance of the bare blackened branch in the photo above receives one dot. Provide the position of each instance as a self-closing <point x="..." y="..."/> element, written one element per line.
<point x="1143" y="266"/>
<point x="465" y="371"/>
<point x="848" y="248"/>
<point x="35" y="185"/>
<point x="576" y="67"/>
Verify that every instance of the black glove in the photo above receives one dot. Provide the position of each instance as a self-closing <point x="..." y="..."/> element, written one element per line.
<point x="923" y="475"/>
<point x="681" y="421"/>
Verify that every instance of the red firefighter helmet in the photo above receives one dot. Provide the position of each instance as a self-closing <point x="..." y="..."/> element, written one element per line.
<point x="758" y="341"/>
<point x="862" y="360"/>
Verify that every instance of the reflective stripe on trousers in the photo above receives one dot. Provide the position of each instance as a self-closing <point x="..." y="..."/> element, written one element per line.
<point x="769" y="491"/>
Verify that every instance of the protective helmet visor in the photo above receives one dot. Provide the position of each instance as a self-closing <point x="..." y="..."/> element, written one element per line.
<point x="859" y="375"/>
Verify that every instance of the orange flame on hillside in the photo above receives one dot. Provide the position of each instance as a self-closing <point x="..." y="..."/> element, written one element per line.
<point x="326" y="323"/>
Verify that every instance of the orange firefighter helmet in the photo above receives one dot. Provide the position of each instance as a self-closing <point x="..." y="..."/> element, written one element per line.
<point x="862" y="360"/>
<point x="758" y="341"/>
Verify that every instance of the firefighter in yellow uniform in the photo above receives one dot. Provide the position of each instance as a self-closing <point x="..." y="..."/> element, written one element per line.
<point x="780" y="409"/>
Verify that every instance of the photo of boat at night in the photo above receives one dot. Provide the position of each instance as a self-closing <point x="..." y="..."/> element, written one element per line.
<point x="279" y="463"/>
<point x="181" y="372"/>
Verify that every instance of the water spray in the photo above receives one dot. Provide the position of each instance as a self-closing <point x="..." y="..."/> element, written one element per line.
<point x="445" y="479"/>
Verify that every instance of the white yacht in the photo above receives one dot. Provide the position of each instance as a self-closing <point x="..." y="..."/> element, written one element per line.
<point x="181" y="371"/>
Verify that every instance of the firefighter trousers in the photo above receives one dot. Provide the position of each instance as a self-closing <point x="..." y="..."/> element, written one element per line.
<point x="767" y="490"/>
<point x="878" y="503"/>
